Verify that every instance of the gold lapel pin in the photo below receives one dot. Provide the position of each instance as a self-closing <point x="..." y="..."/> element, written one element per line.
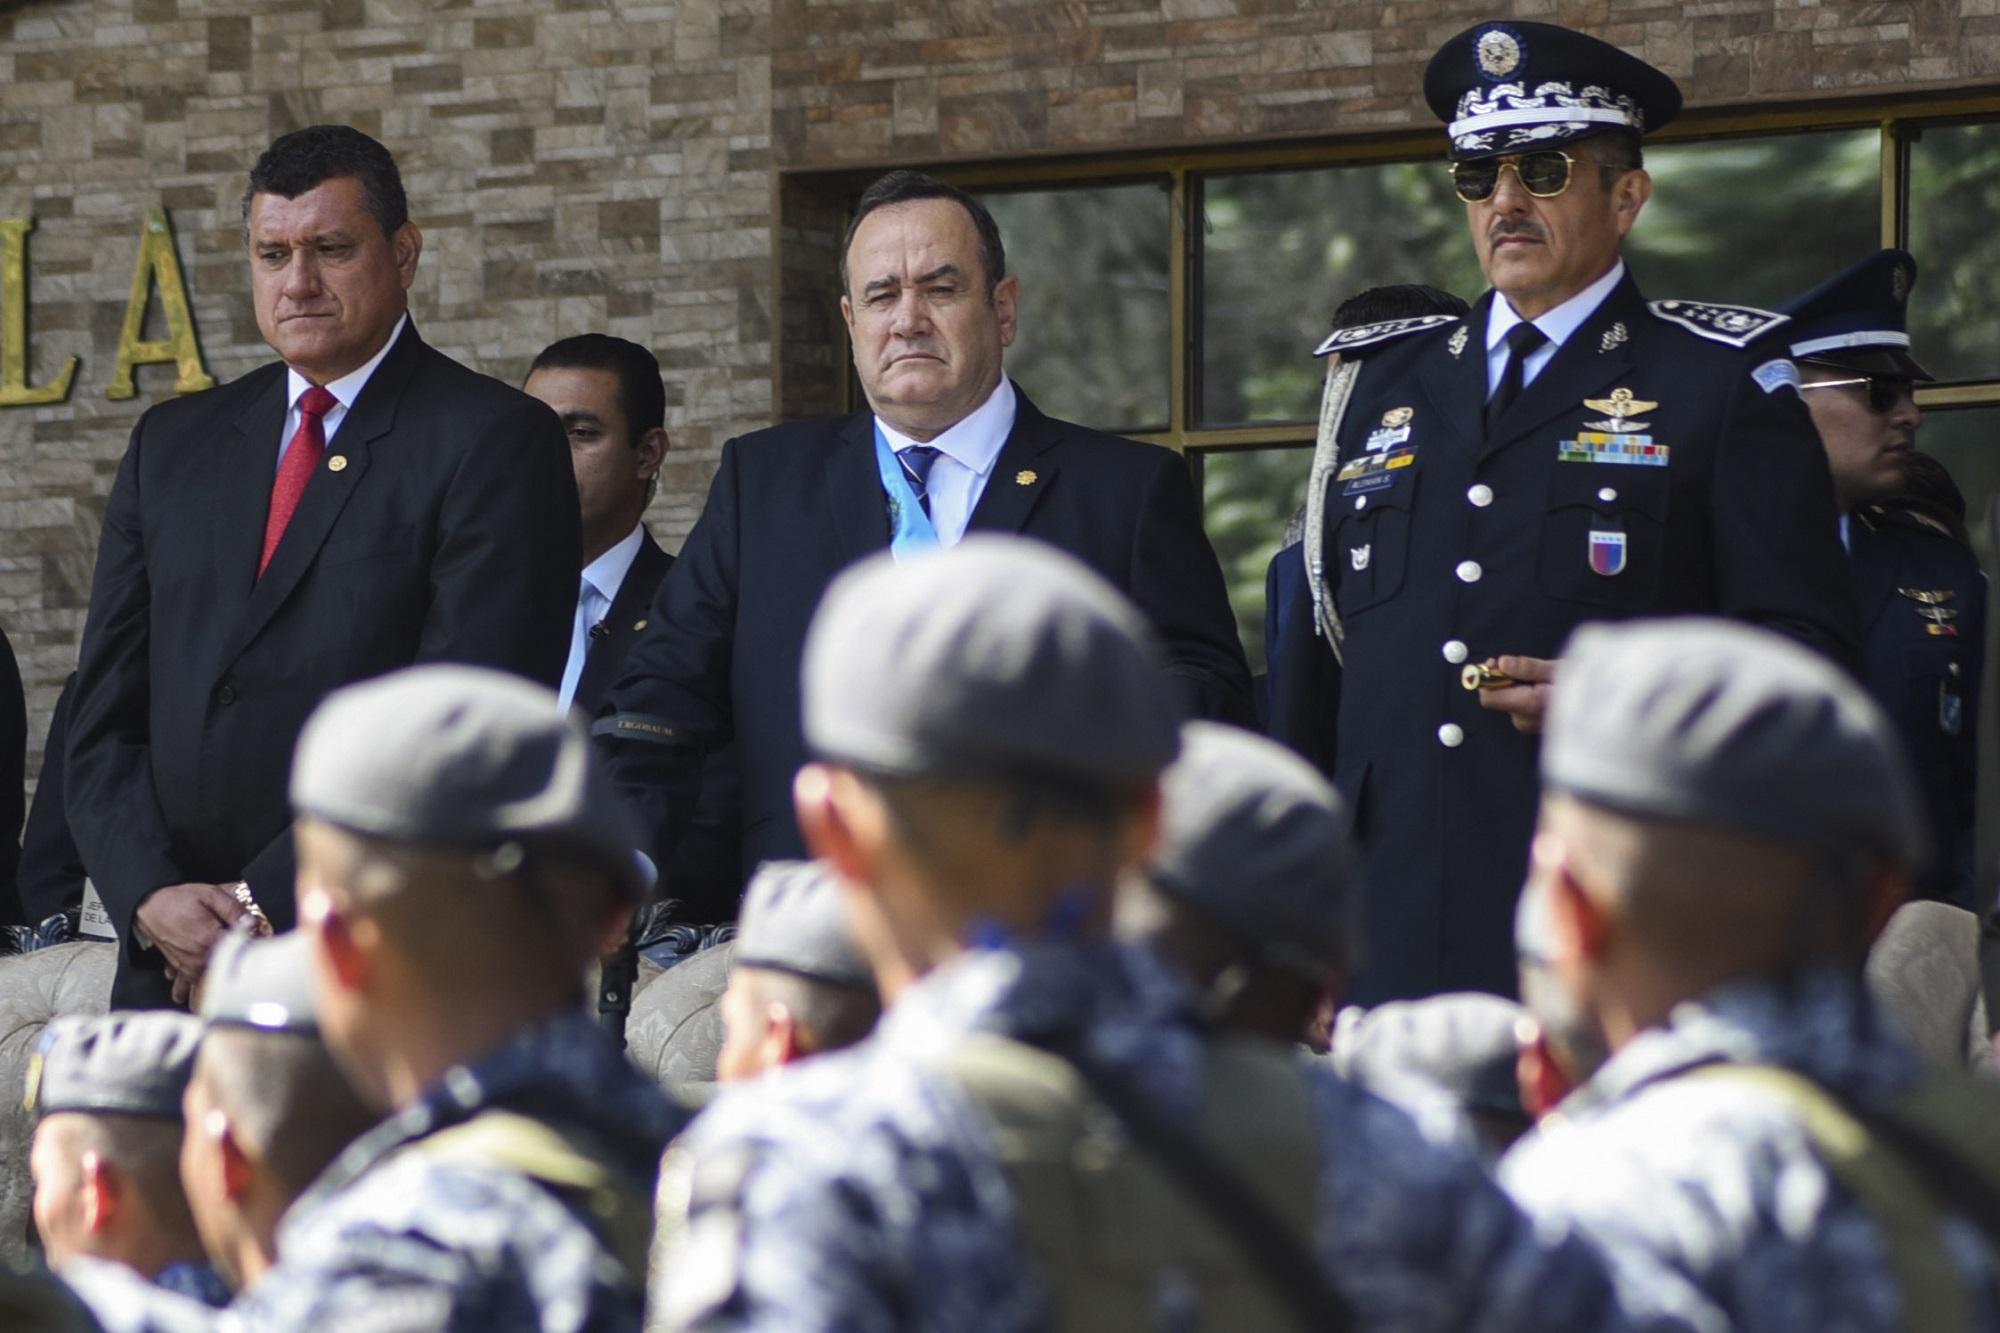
<point x="338" y="463"/>
<point x="1026" y="477"/>
<point x="639" y="624"/>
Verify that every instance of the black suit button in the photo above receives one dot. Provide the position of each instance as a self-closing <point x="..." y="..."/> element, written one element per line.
<point x="225" y="694"/>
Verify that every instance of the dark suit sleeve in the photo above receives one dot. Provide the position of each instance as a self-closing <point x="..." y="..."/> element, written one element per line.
<point x="113" y="812"/>
<point x="13" y="774"/>
<point x="1304" y="676"/>
<point x="1177" y="581"/>
<point x="503" y="576"/>
<point x="671" y="705"/>
<point x="51" y="875"/>
<point x="1778" y="560"/>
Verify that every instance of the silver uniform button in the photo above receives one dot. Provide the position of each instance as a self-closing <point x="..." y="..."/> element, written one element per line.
<point x="1454" y="651"/>
<point x="1481" y="495"/>
<point x="1360" y="502"/>
<point x="1451" y="735"/>
<point x="1607" y="494"/>
<point x="1469" y="571"/>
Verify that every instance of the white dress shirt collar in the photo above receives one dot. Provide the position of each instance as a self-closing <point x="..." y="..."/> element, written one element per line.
<point x="348" y="387"/>
<point x="1557" y="324"/>
<point x="975" y="441"/>
<point x="607" y="572"/>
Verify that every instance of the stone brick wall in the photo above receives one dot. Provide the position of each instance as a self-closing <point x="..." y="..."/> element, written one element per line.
<point x="675" y="171"/>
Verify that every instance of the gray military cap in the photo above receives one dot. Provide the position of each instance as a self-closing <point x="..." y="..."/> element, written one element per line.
<point x="264" y="984"/>
<point x="792" y="921"/>
<point x="1256" y="839"/>
<point x="998" y="657"/>
<point x="1461" y="1045"/>
<point x="459" y="756"/>
<point x="1727" y="725"/>
<point x="120" y="1064"/>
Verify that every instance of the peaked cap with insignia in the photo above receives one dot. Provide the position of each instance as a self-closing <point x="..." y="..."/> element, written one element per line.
<point x="1859" y="319"/>
<point x="1514" y="87"/>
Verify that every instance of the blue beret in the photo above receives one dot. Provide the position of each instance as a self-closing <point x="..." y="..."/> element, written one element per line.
<point x="793" y="921"/>
<point x="120" y="1063"/>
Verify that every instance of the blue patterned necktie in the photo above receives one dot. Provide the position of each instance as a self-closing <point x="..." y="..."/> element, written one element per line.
<point x="917" y="460"/>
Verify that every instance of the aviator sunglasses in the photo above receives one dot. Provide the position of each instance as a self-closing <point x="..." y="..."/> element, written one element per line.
<point x="1884" y="391"/>
<point x="1544" y="174"/>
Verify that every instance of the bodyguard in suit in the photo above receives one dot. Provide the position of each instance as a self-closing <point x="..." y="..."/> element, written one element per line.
<point x="1568" y="452"/>
<point x="1921" y="593"/>
<point x="363" y="503"/>
<point x="607" y="393"/>
<point x="948" y="445"/>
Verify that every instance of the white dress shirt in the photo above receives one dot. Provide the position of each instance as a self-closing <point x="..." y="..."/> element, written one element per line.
<point x="597" y="590"/>
<point x="966" y="454"/>
<point x="344" y="390"/>
<point x="1556" y="325"/>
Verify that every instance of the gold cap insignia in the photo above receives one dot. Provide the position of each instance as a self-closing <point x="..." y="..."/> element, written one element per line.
<point x="1397" y="416"/>
<point x="1026" y="477"/>
<point x="1499" y="53"/>
<point x="338" y="463"/>
<point x="1621" y="407"/>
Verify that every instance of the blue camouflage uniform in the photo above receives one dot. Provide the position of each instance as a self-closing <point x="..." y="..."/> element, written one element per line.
<point x="396" y="1239"/>
<point x="1708" y="1195"/>
<point x="123" y="1301"/>
<point x="859" y="1191"/>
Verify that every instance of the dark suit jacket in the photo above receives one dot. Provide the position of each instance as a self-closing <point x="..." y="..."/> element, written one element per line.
<point x="13" y="790"/>
<point x="707" y="865"/>
<point x="1426" y="577"/>
<point x="792" y="506"/>
<point x="452" y="532"/>
<point x="1925" y="660"/>
<point x="52" y="873"/>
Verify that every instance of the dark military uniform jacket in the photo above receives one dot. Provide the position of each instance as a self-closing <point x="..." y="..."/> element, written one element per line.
<point x="1642" y="472"/>
<point x="1923" y="605"/>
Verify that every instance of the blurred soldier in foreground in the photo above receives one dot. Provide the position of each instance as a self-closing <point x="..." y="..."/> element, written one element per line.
<point x="1727" y="819"/>
<point x="1923" y="599"/>
<point x="1246" y="894"/>
<point x="798" y="985"/>
<point x="461" y="861"/>
<point x="267" y="1109"/>
<point x="106" y="1154"/>
<point x="1569" y="452"/>
<point x="1041" y="1133"/>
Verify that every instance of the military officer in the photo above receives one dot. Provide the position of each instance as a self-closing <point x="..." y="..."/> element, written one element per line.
<point x="1568" y="452"/>
<point x="462" y="859"/>
<point x="1921" y="593"/>
<point x="1727" y="820"/>
<point x="991" y="724"/>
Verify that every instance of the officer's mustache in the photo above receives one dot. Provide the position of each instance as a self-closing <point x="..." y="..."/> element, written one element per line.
<point x="1527" y="227"/>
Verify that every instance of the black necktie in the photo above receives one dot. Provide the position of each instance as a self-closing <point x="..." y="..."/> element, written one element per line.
<point x="916" y="460"/>
<point x="1522" y="340"/>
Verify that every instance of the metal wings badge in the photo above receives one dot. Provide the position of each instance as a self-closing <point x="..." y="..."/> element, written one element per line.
<point x="1619" y="409"/>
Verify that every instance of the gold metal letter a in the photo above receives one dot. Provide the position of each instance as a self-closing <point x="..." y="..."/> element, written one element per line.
<point x="158" y="264"/>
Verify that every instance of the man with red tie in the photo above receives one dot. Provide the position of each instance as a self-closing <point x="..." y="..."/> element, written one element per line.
<point x="363" y="503"/>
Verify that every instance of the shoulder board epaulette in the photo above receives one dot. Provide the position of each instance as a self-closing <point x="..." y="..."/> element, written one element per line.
<point x="1370" y="335"/>
<point x="1736" y="325"/>
<point x="1905" y="514"/>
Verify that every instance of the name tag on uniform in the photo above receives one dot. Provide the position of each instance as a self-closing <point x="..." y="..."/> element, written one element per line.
<point x="1592" y="446"/>
<point x="1374" y="471"/>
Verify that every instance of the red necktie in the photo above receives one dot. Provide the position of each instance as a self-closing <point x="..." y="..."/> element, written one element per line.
<point x="302" y="457"/>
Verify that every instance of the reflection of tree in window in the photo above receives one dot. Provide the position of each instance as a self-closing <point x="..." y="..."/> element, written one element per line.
<point x="1757" y="221"/>
<point x="1093" y="343"/>
<point x="1248" y="496"/>
<point x="1954" y="197"/>
<point x="1281" y="249"/>
<point x="1967" y="442"/>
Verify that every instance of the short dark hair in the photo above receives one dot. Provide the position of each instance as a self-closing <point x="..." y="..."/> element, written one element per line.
<point x="907" y="187"/>
<point x="304" y="159"/>
<point x="1618" y="150"/>
<point x="641" y="395"/>
<point x="1397" y="300"/>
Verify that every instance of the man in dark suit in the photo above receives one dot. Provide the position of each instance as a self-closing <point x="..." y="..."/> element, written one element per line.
<point x="1922" y="595"/>
<point x="362" y="504"/>
<point x="949" y="444"/>
<point x="608" y="394"/>
<point x="1566" y="453"/>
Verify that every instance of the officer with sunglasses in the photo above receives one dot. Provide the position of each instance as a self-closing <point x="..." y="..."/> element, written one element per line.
<point x="1921" y="593"/>
<point x="1568" y="452"/>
